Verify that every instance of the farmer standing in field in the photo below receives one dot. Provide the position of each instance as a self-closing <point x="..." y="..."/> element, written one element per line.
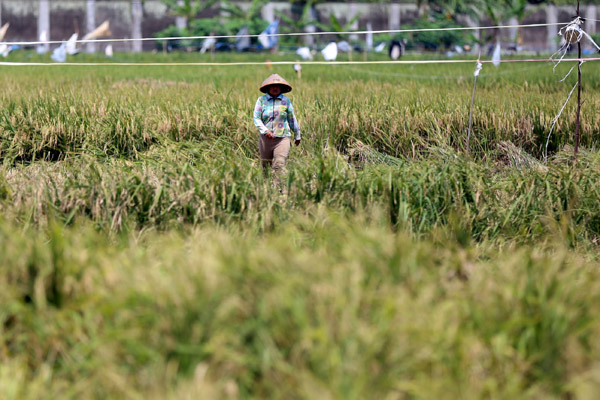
<point x="274" y="117"/>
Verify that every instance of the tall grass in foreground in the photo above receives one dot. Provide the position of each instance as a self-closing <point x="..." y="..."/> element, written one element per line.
<point x="322" y="307"/>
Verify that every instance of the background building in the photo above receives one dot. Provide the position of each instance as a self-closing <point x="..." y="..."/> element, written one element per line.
<point x="137" y="18"/>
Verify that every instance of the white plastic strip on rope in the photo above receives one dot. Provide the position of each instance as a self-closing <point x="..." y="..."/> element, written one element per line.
<point x="555" y="120"/>
<point x="587" y="35"/>
<point x="461" y="28"/>
<point x="478" y="68"/>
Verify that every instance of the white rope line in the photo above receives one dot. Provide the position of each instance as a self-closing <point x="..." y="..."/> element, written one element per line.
<point x="412" y="76"/>
<point x="568" y="73"/>
<point x="591" y="40"/>
<point x="440" y="77"/>
<point x="221" y="64"/>
<point x="461" y="28"/>
<point x="264" y="63"/>
<point x="556" y="119"/>
<point x="563" y="49"/>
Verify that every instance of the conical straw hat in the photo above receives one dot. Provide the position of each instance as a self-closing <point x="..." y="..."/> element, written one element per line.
<point x="275" y="80"/>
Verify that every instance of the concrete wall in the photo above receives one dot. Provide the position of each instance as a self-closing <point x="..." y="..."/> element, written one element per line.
<point x="68" y="16"/>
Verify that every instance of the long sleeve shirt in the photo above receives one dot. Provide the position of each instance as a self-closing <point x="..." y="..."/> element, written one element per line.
<point x="276" y="114"/>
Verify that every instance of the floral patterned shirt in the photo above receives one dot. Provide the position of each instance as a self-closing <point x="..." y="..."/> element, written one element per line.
<point x="276" y="114"/>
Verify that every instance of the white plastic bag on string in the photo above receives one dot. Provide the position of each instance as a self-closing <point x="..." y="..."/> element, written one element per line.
<point x="242" y="41"/>
<point x="59" y="54"/>
<point x="343" y="46"/>
<point x="4" y="49"/>
<point x="496" y="55"/>
<point x="330" y="52"/>
<point x="266" y="39"/>
<point x="71" y="46"/>
<point x="304" y="52"/>
<point x="396" y="50"/>
<point x="207" y="44"/>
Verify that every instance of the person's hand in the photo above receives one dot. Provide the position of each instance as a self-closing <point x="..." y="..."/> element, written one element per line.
<point x="297" y="142"/>
<point x="269" y="135"/>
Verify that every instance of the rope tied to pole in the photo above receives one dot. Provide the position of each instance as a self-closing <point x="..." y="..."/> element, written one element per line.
<point x="555" y="120"/>
<point x="478" y="68"/>
<point x="571" y="33"/>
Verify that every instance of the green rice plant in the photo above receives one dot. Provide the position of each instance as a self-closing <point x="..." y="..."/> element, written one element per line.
<point x="187" y="185"/>
<point x="120" y="112"/>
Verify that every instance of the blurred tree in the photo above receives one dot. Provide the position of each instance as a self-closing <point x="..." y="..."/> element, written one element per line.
<point x="335" y="25"/>
<point x="450" y="9"/>
<point x="237" y="17"/>
<point x="187" y="9"/>
<point x="306" y="19"/>
<point x="496" y="11"/>
<point x="253" y="12"/>
<point x="518" y="9"/>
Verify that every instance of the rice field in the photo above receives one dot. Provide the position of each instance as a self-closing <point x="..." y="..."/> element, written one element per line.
<point x="144" y="254"/>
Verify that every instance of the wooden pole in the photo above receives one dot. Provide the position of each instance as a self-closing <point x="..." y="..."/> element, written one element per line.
<point x="578" y="123"/>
